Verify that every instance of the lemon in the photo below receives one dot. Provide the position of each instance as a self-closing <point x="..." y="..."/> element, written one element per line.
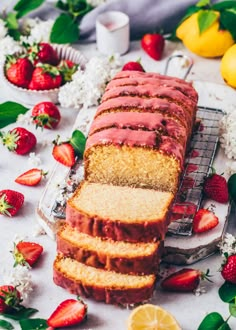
<point x="228" y="66"/>
<point x="213" y="42"/>
<point x="151" y="317"/>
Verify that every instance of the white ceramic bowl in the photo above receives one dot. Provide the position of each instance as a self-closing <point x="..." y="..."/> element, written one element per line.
<point x="31" y="97"/>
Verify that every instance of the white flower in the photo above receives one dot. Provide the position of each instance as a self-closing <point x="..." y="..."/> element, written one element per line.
<point x="9" y="46"/>
<point x="228" y="245"/>
<point x="34" y="159"/>
<point x="24" y="119"/>
<point x="87" y="87"/>
<point x="20" y="277"/>
<point x="200" y="290"/>
<point x="227" y="127"/>
<point x="40" y="31"/>
<point x="3" y="29"/>
<point x="95" y="3"/>
<point x="38" y="230"/>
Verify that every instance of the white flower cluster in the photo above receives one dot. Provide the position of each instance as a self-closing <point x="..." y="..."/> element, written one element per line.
<point x="228" y="134"/>
<point x="3" y="29"/>
<point x="20" y="277"/>
<point x="8" y="46"/>
<point x="95" y="3"/>
<point x="228" y="245"/>
<point x="38" y="30"/>
<point x="87" y="87"/>
<point x="34" y="159"/>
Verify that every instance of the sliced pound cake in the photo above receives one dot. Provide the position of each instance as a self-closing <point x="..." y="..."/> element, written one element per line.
<point x="102" y="285"/>
<point x="126" y="157"/>
<point x="118" y="256"/>
<point x="119" y="213"/>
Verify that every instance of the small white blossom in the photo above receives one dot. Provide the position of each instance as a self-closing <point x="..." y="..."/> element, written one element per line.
<point x="228" y="245"/>
<point x="20" y="277"/>
<point x="34" y="159"/>
<point x="9" y="46"/>
<point x="3" y="29"/>
<point x="39" y="31"/>
<point x="24" y="119"/>
<point x="199" y="291"/>
<point x="96" y="3"/>
<point x="87" y="87"/>
<point x="38" y="230"/>
<point x="227" y="127"/>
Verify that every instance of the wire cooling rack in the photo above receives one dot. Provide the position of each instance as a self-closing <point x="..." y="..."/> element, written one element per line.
<point x="198" y="163"/>
<point x="189" y="197"/>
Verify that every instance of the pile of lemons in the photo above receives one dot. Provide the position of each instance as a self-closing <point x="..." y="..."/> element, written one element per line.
<point x="213" y="42"/>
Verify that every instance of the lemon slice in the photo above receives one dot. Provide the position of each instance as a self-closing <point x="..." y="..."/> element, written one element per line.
<point x="151" y="317"/>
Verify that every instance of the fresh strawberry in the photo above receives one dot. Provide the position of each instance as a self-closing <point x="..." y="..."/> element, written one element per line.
<point x="184" y="280"/>
<point x="67" y="68"/>
<point x="19" y="71"/>
<point x="19" y="140"/>
<point x="42" y="52"/>
<point x="133" y="66"/>
<point x="69" y="312"/>
<point x="10" y="298"/>
<point x="46" y="115"/>
<point x="10" y="202"/>
<point x="215" y="187"/>
<point x="64" y="153"/>
<point x="31" y="177"/>
<point x="27" y="253"/>
<point x="153" y="45"/>
<point x="204" y="220"/>
<point x="229" y="269"/>
<point x="45" y="77"/>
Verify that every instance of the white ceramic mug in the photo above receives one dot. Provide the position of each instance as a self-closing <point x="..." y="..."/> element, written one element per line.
<point x="112" y="32"/>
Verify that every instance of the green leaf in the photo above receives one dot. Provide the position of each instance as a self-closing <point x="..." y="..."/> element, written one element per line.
<point x="190" y="11"/>
<point x="220" y="6"/>
<point x="23" y="7"/>
<point x="232" y="308"/>
<point x="9" y="112"/>
<point x="78" y="141"/>
<point x="15" y="34"/>
<point x="62" y="35"/>
<point x="227" y="292"/>
<point x="205" y="19"/>
<point x="228" y="21"/>
<point x="61" y="5"/>
<point x="213" y="321"/>
<point x="232" y="187"/>
<point x="203" y="3"/>
<point x="33" y="324"/>
<point x="6" y="325"/>
<point x="23" y="313"/>
<point x="11" y="21"/>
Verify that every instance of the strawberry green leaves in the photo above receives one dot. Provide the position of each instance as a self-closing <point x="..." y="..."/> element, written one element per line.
<point x="214" y="321"/>
<point x="6" y="325"/>
<point x="227" y="292"/>
<point x="78" y="141"/>
<point x="33" y="324"/>
<point x="61" y="35"/>
<point x="23" y="7"/>
<point x="9" y="112"/>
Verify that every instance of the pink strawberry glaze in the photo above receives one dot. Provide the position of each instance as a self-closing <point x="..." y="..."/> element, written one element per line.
<point x="182" y="209"/>
<point x="186" y="89"/>
<point x="194" y="153"/>
<point x="138" y="120"/>
<point x="131" y="138"/>
<point x="191" y="168"/>
<point x="150" y="91"/>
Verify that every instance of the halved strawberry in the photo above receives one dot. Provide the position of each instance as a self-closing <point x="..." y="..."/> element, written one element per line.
<point x="31" y="177"/>
<point x="204" y="220"/>
<point x="69" y="312"/>
<point x="64" y="153"/>
<point x="133" y="66"/>
<point x="27" y="253"/>
<point x="184" y="280"/>
<point x="10" y="298"/>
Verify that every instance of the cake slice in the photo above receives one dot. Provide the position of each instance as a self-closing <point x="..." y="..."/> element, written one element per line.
<point x="126" y="157"/>
<point x="119" y="213"/>
<point x="102" y="285"/>
<point x="119" y="256"/>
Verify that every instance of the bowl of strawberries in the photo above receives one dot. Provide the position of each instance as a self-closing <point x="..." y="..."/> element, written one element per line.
<point x="36" y="74"/>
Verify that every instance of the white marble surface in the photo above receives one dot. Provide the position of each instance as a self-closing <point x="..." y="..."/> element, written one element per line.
<point x="188" y="309"/>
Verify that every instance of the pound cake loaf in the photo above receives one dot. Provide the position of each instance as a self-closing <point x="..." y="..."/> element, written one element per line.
<point x="118" y="256"/>
<point x="119" y="213"/>
<point x="102" y="285"/>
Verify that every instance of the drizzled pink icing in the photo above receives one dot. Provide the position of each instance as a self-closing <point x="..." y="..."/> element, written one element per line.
<point x="186" y="89"/>
<point x="138" y="120"/>
<point x="150" y="91"/>
<point x="146" y="105"/>
<point x="131" y="138"/>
